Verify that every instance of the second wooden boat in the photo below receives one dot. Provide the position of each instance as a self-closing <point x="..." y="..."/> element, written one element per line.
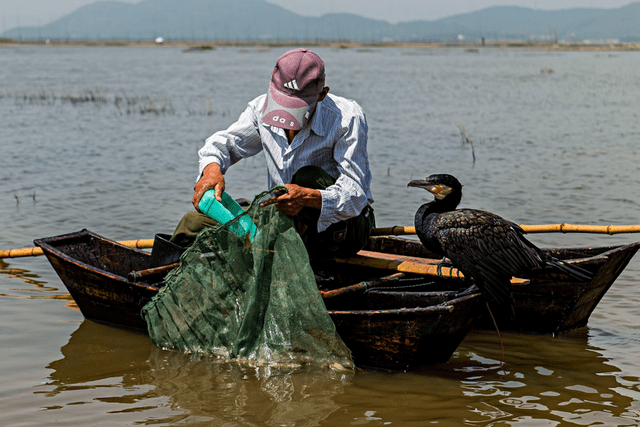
<point x="381" y="333"/>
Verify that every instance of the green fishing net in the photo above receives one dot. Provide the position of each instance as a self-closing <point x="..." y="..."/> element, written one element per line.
<point x="251" y="301"/>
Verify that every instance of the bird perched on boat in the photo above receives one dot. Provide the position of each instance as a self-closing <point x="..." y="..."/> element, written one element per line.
<point x="486" y="248"/>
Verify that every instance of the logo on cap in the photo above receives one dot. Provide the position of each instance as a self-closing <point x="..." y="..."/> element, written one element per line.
<point x="296" y="83"/>
<point x="293" y="85"/>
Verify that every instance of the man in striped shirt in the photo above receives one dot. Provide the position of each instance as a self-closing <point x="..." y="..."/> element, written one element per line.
<point x="315" y="145"/>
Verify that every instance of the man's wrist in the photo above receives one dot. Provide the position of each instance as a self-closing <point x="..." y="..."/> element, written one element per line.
<point x="313" y="198"/>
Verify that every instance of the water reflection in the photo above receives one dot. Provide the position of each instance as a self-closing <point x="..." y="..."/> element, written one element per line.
<point x="543" y="381"/>
<point x="546" y="381"/>
<point x="102" y="364"/>
<point x="37" y="289"/>
<point x="25" y="276"/>
<point x="230" y="392"/>
<point x="97" y="352"/>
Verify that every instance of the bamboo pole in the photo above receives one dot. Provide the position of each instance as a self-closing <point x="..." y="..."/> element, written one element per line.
<point x="25" y="252"/>
<point x="581" y="228"/>
<point x="140" y="243"/>
<point x="396" y="230"/>
<point x="408" y="264"/>
<point x="399" y="230"/>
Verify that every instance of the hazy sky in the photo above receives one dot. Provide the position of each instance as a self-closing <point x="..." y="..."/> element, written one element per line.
<point x="40" y="12"/>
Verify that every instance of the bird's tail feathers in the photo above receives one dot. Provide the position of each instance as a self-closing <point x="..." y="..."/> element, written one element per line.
<point x="574" y="271"/>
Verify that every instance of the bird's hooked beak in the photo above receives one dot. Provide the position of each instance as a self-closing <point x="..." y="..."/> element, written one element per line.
<point x="439" y="191"/>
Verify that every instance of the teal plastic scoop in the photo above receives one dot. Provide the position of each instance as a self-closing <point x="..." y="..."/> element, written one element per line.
<point x="225" y="212"/>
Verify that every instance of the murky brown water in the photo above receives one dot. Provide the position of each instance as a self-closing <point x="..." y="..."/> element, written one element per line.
<point x="106" y="139"/>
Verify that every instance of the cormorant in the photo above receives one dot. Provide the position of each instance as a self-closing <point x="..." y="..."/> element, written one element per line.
<point x="486" y="248"/>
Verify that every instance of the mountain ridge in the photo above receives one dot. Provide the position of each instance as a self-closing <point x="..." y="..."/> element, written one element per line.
<point x="259" y="21"/>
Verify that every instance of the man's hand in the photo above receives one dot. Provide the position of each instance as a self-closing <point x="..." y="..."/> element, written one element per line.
<point x="212" y="178"/>
<point x="291" y="203"/>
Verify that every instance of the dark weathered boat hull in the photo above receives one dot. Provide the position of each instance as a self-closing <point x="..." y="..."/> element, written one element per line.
<point x="551" y="302"/>
<point x="406" y="338"/>
<point x="385" y="336"/>
<point x="94" y="272"/>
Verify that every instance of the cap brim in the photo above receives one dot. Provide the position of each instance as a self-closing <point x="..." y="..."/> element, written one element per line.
<point x="285" y="111"/>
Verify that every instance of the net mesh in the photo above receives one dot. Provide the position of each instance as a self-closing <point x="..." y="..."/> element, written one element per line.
<point x="251" y="301"/>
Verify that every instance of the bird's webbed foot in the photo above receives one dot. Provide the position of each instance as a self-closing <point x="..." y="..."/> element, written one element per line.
<point x="444" y="262"/>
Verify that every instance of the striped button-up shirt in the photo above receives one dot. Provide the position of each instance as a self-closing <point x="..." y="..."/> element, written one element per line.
<point x="335" y="140"/>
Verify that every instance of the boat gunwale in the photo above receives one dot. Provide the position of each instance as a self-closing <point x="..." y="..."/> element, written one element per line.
<point x="51" y="250"/>
<point x="443" y="307"/>
<point x="54" y="251"/>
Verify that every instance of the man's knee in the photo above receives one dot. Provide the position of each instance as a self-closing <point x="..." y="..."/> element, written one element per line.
<point x="191" y="224"/>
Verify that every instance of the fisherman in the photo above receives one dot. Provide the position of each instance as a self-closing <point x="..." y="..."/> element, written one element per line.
<point x="315" y="145"/>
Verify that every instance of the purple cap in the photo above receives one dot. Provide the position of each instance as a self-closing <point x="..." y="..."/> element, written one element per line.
<point x="296" y="81"/>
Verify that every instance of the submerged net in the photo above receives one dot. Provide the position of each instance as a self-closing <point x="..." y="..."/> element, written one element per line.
<point x="251" y="301"/>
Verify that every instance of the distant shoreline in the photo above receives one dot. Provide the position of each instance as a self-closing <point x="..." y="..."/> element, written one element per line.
<point x="207" y="45"/>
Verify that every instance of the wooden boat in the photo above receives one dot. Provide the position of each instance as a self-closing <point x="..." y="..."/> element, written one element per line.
<point x="400" y="322"/>
<point x="386" y="333"/>
<point x="549" y="302"/>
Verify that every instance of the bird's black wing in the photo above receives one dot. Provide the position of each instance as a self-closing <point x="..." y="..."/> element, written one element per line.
<point x="487" y="249"/>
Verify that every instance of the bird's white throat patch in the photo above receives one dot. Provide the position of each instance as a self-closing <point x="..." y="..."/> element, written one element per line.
<point x="441" y="192"/>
